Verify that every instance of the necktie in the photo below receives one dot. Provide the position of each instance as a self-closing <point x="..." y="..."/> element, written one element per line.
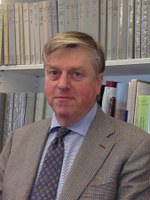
<point x="45" y="188"/>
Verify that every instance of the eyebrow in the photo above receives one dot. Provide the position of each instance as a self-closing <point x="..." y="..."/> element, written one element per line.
<point x="73" y="67"/>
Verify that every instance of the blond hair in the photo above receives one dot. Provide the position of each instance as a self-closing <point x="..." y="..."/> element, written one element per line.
<point x="73" y="39"/>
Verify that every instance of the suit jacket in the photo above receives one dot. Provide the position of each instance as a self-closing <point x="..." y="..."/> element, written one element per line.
<point x="113" y="162"/>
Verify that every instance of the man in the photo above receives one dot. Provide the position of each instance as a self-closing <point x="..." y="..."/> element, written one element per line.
<point x="103" y="158"/>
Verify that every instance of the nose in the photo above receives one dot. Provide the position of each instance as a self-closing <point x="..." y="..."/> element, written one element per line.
<point x="64" y="82"/>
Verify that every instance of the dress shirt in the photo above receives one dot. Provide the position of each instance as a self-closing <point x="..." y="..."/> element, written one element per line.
<point x="72" y="143"/>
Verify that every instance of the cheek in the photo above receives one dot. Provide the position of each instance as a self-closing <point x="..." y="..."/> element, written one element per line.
<point x="48" y="89"/>
<point x="88" y="92"/>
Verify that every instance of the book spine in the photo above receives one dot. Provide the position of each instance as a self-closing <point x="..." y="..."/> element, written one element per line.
<point x="122" y="30"/>
<point x="109" y="29"/>
<point x="17" y="31"/>
<point x="54" y="18"/>
<point x="144" y="28"/>
<point x="6" y="42"/>
<point x="37" y="34"/>
<point x="137" y="38"/>
<point x="30" y="107"/>
<point x="39" y="106"/>
<point x="48" y="111"/>
<point x="26" y="32"/>
<point x="12" y="38"/>
<point x="114" y="37"/>
<point x="130" y="32"/>
<point x="103" y="24"/>
<point x="2" y="110"/>
<point x="8" y="117"/>
<point x="1" y="34"/>
<point x="61" y="16"/>
<point x="148" y="31"/>
<point x="21" y="30"/>
<point x="143" y="113"/>
<point x="121" y="100"/>
<point x="32" y="33"/>
<point x="131" y="102"/>
<point x="19" y="110"/>
<point x="93" y="23"/>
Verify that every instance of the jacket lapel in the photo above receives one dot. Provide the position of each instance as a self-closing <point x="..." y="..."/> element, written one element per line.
<point x="97" y="144"/>
<point x="30" y="166"/>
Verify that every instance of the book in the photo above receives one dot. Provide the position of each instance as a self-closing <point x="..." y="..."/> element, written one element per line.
<point x="143" y="113"/>
<point x="145" y="27"/>
<point x="137" y="87"/>
<point x="143" y="88"/>
<point x="93" y="23"/>
<point x="17" y="31"/>
<point x="50" y="16"/>
<point x="131" y="100"/>
<point x="103" y="24"/>
<point x="12" y="37"/>
<point x="137" y="36"/>
<point x="71" y="15"/>
<point x="1" y="34"/>
<point x="109" y="92"/>
<point x="111" y="108"/>
<point x="44" y="9"/>
<point x="89" y="17"/>
<point x="61" y="15"/>
<point x="54" y="18"/>
<point x="30" y="107"/>
<point x="19" y="110"/>
<point x="128" y="101"/>
<point x="130" y="32"/>
<point x="21" y="33"/>
<point x="148" y="31"/>
<point x="39" y="106"/>
<point x="112" y="29"/>
<point x="2" y="110"/>
<point x="121" y="100"/>
<point x="122" y="30"/>
<point x="26" y="29"/>
<point x="32" y="33"/>
<point x="109" y="29"/>
<point x="48" y="111"/>
<point x="37" y="33"/>
<point x="114" y="37"/>
<point x="6" y="38"/>
<point x="8" y="116"/>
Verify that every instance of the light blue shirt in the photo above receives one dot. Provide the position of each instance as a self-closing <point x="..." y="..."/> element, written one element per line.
<point x="72" y="143"/>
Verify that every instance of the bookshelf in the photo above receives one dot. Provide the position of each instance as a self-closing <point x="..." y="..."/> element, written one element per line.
<point x="31" y="77"/>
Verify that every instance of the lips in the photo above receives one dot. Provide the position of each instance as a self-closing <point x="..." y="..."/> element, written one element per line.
<point x="63" y="97"/>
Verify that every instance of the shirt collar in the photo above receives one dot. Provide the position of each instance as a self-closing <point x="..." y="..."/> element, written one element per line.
<point x="80" y="127"/>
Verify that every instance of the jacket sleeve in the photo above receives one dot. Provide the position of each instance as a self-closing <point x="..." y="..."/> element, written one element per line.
<point x="3" y="161"/>
<point x="134" y="181"/>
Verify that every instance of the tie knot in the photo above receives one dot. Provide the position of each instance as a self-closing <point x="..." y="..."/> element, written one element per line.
<point x="62" y="132"/>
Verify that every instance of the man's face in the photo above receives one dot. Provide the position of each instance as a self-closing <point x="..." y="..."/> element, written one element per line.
<point x="71" y="84"/>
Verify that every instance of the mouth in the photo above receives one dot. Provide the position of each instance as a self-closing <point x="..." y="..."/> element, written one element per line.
<point x="63" y="97"/>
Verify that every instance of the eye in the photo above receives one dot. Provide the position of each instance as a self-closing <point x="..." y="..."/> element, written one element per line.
<point x="53" y="74"/>
<point x="77" y="74"/>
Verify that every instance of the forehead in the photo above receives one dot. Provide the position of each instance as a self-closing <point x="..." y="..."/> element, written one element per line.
<point x="74" y="55"/>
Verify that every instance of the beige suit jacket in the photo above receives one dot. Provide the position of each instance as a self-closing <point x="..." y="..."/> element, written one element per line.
<point x="113" y="162"/>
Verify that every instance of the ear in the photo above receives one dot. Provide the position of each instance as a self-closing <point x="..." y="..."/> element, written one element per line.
<point x="100" y="80"/>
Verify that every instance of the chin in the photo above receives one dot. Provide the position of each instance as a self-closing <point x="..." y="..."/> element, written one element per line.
<point x="63" y="113"/>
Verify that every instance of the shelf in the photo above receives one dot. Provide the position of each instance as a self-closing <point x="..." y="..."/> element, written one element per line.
<point x="34" y="69"/>
<point x="113" y="67"/>
<point x="128" y="67"/>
